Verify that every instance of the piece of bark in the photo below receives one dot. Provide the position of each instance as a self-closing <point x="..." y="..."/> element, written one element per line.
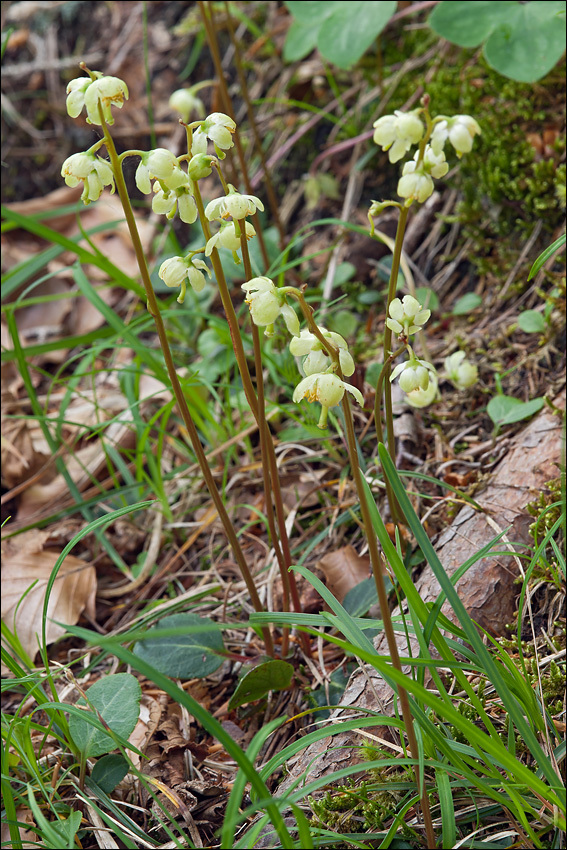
<point x="487" y="589"/>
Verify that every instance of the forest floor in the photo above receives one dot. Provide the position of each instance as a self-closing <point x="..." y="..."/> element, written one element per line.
<point x="468" y="252"/>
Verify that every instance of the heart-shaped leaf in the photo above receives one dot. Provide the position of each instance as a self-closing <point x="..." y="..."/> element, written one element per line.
<point x="522" y="41"/>
<point x="342" y="31"/>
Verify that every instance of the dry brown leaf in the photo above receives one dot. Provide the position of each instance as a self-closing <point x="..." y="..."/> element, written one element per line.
<point x="25" y="562"/>
<point x="344" y="569"/>
<point x="27" y="836"/>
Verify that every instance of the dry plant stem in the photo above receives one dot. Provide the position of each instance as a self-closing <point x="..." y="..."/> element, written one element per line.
<point x="176" y="386"/>
<point x="387" y="620"/>
<point x="273" y="478"/>
<point x="274" y="205"/>
<point x="227" y="103"/>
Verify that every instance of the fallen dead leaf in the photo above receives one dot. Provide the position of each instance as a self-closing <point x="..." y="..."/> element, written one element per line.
<point x="26" y="563"/>
<point x="344" y="569"/>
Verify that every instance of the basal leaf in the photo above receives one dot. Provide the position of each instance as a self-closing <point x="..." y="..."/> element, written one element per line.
<point x="531" y="322"/>
<point x="183" y="656"/>
<point x="522" y="41"/>
<point x="109" y="771"/>
<point x="505" y="410"/>
<point x="269" y="676"/>
<point x="466" y="303"/>
<point x="117" y="699"/>
<point x="350" y="30"/>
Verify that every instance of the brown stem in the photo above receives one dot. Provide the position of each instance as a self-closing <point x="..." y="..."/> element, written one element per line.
<point x="154" y="310"/>
<point x="385" y="611"/>
<point x="274" y="205"/>
<point x="206" y="9"/>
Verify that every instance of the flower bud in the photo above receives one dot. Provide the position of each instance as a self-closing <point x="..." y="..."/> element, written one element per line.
<point x="461" y="372"/>
<point x="200" y="166"/>
<point x="186" y="103"/>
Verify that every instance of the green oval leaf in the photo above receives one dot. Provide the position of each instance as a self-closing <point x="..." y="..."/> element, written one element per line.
<point x="109" y="771"/>
<point x="117" y="699"/>
<point x="269" y="676"/>
<point x="505" y="410"/>
<point x="466" y="304"/>
<point x="193" y="654"/>
<point x="531" y="322"/>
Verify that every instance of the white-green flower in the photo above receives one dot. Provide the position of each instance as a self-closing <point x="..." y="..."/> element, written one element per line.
<point x="461" y="372"/>
<point x="398" y="132"/>
<point x="93" y="171"/>
<point x="217" y="127"/>
<point x="234" y="204"/>
<point x="413" y="375"/>
<point x="163" y="165"/>
<point x="266" y="303"/>
<point x="186" y="102"/>
<point x="226" y="238"/>
<point x="317" y="359"/>
<point x="176" y="271"/>
<point x="327" y="389"/>
<point x="109" y="91"/>
<point x="460" y="130"/>
<point x="76" y="95"/>
<point x="175" y="200"/>
<point x="416" y="183"/>
<point x="407" y="316"/>
<point x="423" y="398"/>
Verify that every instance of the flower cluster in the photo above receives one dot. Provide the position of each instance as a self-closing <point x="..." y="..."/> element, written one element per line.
<point x="399" y="132"/>
<point x="90" y="92"/>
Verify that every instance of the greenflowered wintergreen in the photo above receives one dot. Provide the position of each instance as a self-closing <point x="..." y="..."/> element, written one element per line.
<point x="234" y="204"/>
<point x="160" y="163"/>
<point x="317" y="359"/>
<point x="228" y="237"/>
<point x="407" y="316"/>
<point x="217" y="127"/>
<point x="200" y="166"/>
<point x="169" y="201"/>
<point x="460" y="371"/>
<point x="90" y="169"/>
<point x="108" y="91"/>
<point x="416" y="183"/>
<point x="186" y="102"/>
<point x="177" y="271"/>
<point x="398" y="132"/>
<point x="423" y="398"/>
<point x="76" y="95"/>
<point x="327" y="389"/>
<point x="266" y="303"/>
<point x="414" y="374"/>
<point x="460" y="130"/>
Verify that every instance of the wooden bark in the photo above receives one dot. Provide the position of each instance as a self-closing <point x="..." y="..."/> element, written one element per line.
<point x="488" y="589"/>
